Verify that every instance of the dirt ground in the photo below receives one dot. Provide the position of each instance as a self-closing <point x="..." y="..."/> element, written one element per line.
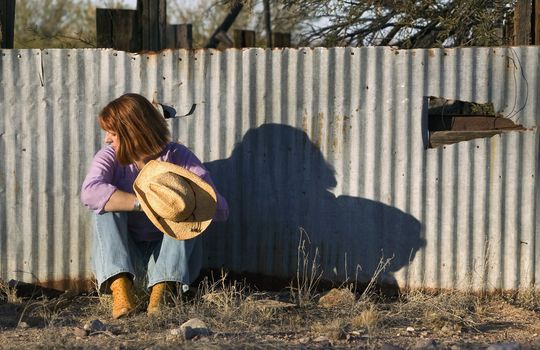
<point x="238" y="318"/>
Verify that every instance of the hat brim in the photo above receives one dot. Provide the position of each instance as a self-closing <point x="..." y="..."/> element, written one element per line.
<point x="205" y="201"/>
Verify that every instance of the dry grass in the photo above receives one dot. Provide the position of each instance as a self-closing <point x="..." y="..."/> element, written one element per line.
<point x="8" y="293"/>
<point x="440" y="311"/>
<point x="308" y="272"/>
<point x="334" y="329"/>
<point x="527" y="298"/>
<point x="236" y="314"/>
<point x="368" y="319"/>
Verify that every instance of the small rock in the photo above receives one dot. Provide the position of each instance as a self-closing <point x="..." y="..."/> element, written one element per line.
<point x="79" y="332"/>
<point x="388" y="346"/>
<point x="94" y="326"/>
<point x="175" y="331"/>
<point x="23" y="325"/>
<point x="304" y="340"/>
<point x="322" y="340"/>
<point x="194" y="328"/>
<point x="353" y="336"/>
<point x="446" y="330"/>
<point x="410" y="329"/>
<point x="425" y="344"/>
<point x="267" y="304"/>
<point x="337" y="297"/>
<point x="505" y="346"/>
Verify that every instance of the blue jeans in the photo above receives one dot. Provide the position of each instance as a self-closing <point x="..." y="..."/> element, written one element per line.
<point x="167" y="259"/>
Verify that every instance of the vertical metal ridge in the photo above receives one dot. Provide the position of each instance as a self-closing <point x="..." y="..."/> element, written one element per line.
<point x="23" y="152"/>
<point x="55" y="167"/>
<point x="12" y="169"/>
<point x="477" y="216"/>
<point x="352" y="90"/>
<point x="5" y="75"/>
<point x="75" y="258"/>
<point x="416" y="190"/>
<point x="89" y="143"/>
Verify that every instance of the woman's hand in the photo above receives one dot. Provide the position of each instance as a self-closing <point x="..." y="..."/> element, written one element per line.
<point x="121" y="201"/>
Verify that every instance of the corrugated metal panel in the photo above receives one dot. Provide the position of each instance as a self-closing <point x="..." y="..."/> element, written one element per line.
<point x="329" y="140"/>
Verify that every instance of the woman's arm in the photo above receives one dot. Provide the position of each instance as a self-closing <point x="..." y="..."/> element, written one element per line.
<point x="121" y="201"/>
<point x="98" y="192"/>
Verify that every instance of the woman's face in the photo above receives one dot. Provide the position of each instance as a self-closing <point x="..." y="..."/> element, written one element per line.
<point x="111" y="138"/>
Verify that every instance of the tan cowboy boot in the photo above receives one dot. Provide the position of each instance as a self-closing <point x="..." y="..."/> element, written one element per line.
<point x="160" y="291"/>
<point x="123" y="298"/>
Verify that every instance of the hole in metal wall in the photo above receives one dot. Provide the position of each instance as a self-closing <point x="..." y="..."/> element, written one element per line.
<point x="452" y="121"/>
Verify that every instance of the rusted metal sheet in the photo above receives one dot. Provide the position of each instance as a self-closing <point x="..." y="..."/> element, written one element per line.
<point x="472" y="123"/>
<point x="440" y="138"/>
<point x="330" y="143"/>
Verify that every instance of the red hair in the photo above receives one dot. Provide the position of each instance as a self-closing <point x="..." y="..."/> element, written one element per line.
<point x="141" y="129"/>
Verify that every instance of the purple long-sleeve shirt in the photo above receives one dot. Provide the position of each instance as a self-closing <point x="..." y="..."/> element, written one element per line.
<point x="106" y="175"/>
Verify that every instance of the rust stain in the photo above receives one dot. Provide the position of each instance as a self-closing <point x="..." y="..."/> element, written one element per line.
<point x="338" y="125"/>
<point x="155" y="53"/>
<point x="320" y="126"/>
<point x="480" y="122"/>
<point x="77" y="285"/>
<point x="431" y="53"/>
<point x="304" y="123"/>
<point x="53" y="288"/>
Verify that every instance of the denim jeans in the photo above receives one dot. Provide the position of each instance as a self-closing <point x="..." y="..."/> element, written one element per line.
<point x="115" y="251"/>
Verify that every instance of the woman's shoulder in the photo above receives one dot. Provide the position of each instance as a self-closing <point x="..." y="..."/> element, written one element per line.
<point x="177" y="148"/>
<point x="176" y="145"/>
<point x="179" y="154"/>
<point x="106" y="152"/>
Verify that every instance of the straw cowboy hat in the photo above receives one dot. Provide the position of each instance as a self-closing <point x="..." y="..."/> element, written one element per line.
<point x="177" y="201"/>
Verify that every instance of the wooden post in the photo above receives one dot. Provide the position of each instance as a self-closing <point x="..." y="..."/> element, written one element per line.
<point x="522" y="22"/>
<point x="508" y="29"/>
<point x="268" y="23"/>
<point x="118" y="29"/>
<point x="126" y="33"/>
<point x="7" y="23"/>
<point x="152" y="19"/>
<point x="224" y="27"/>
<point x="535" y="39"/>
<point x="104" y="28"/>
<point x="179" y="36"/>
<point x="244" y="38"/>
<point x="282" y="39"/>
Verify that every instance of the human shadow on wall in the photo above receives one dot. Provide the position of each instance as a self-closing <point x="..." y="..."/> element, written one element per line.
<point x="277" y="181"/>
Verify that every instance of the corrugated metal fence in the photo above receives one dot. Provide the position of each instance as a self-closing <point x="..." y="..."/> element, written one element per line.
<point x="329" y="140"/>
